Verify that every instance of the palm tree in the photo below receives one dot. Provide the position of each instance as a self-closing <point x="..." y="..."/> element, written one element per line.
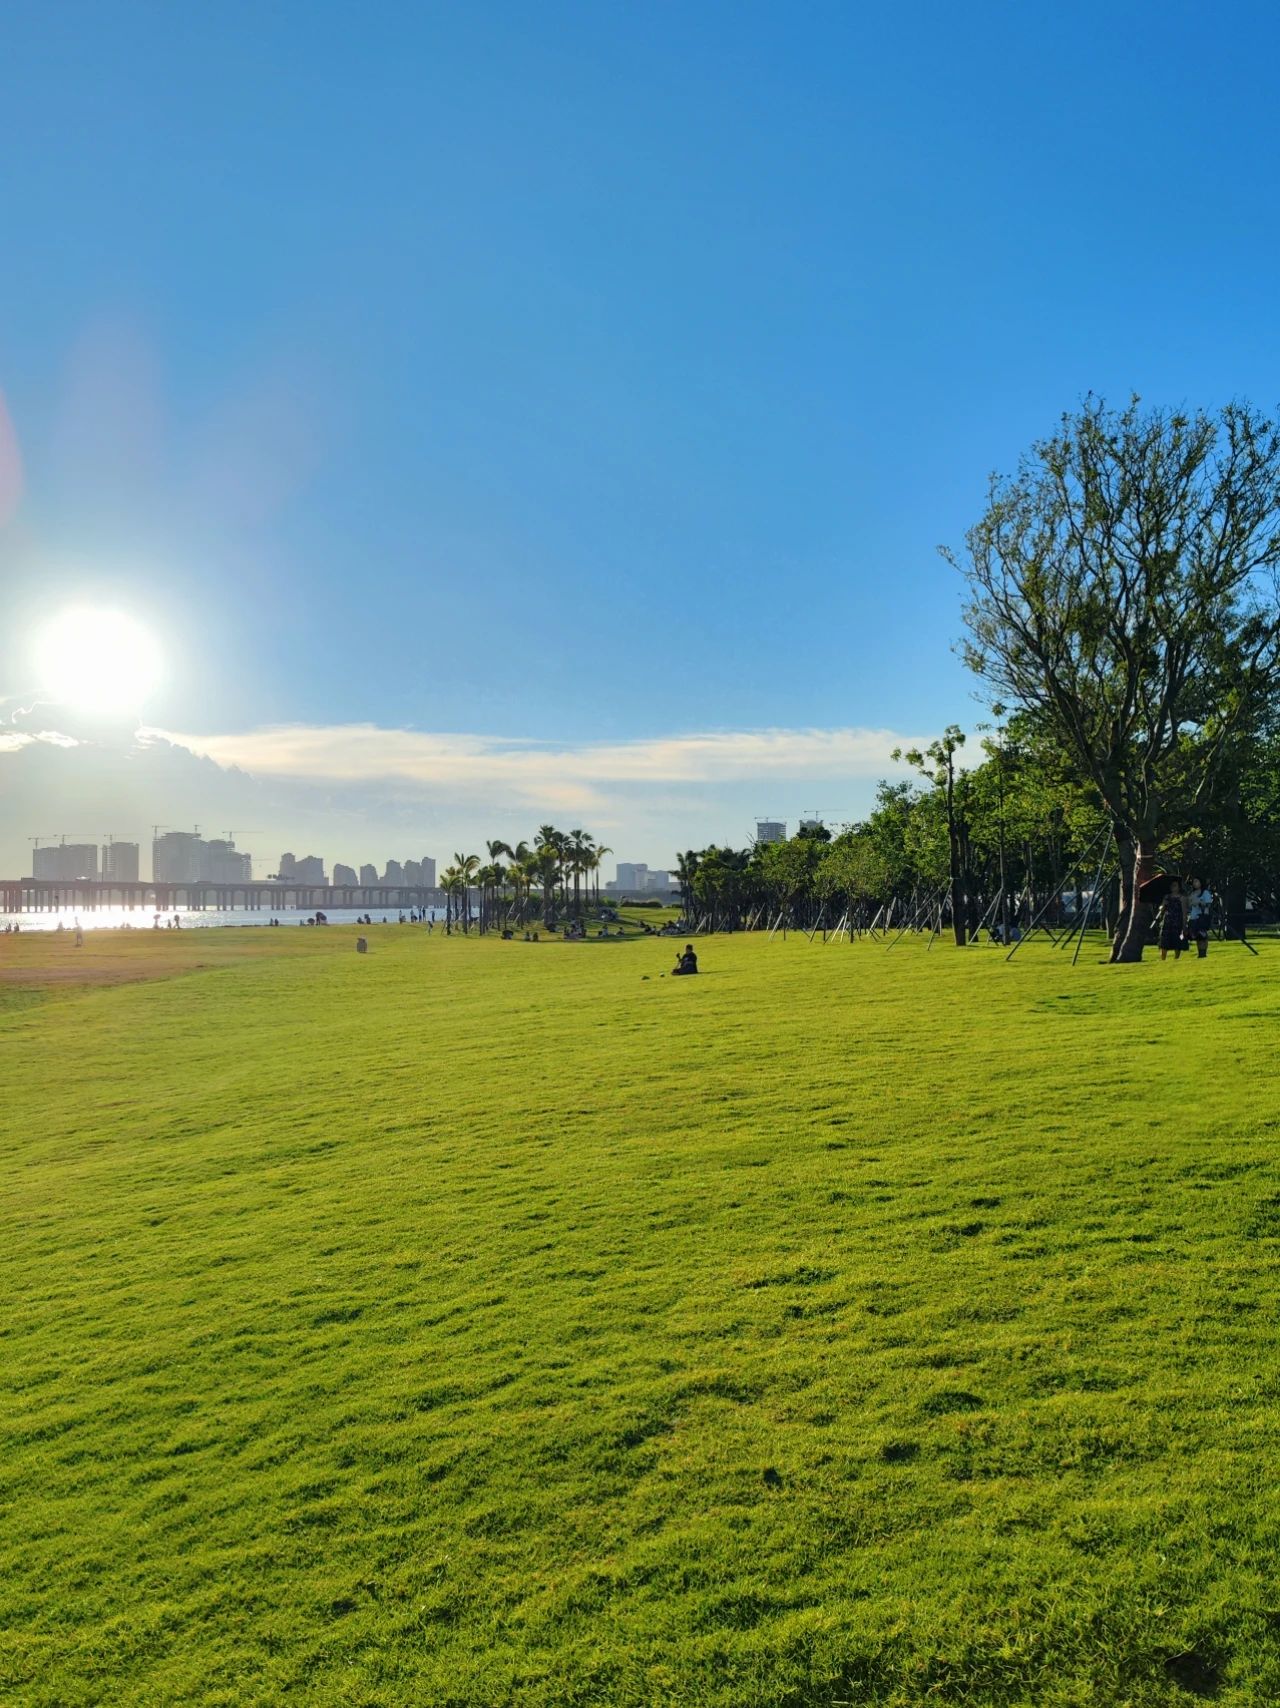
<point x="450" y="883"/>
<point x="522" y="875"/>
<point x="686" y="871"/>
<point x="467" y="865"/>
<point x="547" y="865"/>
<point x="549" y="857"/>
<point x="579" y="849"/>
<point x="481" y="879"/>
<point x="597" y="860"/>
<point x="497" y="874"/>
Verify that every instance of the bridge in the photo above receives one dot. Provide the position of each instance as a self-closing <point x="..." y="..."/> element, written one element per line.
<point x="86" y="895"/>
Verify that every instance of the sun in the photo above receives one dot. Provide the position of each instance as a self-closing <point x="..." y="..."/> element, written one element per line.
<point x="102" y="662"/>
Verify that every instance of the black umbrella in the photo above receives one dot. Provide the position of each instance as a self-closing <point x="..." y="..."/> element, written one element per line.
<point x="1157" y="888"/>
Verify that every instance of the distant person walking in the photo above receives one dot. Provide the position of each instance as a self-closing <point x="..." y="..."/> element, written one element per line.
<point x="1173" y="922"/>
<point x="1199" y="911"/>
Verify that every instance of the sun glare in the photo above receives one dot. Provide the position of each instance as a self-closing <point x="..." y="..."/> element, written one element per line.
<point x="97" y="661"/>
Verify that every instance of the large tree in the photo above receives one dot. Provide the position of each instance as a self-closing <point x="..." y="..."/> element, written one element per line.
<point x="1122" y="589"/>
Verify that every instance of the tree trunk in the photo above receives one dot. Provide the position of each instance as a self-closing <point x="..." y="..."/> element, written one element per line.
<point x="959" y="911"/>
<point x="1135" y="920"/>
<point x="1234" y="901"/>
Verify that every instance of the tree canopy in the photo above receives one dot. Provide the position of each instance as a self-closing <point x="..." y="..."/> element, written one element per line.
<point x="1122" y="594"/>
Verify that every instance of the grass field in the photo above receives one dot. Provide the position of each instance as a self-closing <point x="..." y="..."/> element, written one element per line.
<point x="479" y="1323"/>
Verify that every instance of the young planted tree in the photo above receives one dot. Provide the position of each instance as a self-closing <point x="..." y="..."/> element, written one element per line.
<point x="937" y="762"/>
<point x="1122" y="589"/>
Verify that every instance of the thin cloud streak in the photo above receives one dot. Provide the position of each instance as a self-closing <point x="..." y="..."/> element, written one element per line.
<point x="559" y="776"/>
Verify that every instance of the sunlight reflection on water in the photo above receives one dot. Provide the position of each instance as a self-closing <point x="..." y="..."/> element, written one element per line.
<point x="143" y="919"/>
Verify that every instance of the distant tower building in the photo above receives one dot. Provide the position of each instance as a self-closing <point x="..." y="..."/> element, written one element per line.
<point x="120" y="863"/>
<point x="428" y="872"/>
<point x="177" y="857"/>
<point x="79" y="860"/>
<point x="65" y="862"/>
<point x="343" y="874"/>
<point x="309" y="870"/>
<point x="286" y="871"/>
<point x="368" y="876"/>
<point x="222" y="863"/>
<point x="394" y="873"/>
<point x="809" y="825"/>
<point x="770" y="830"/>
<point x="412" y="872"/>
<point x="631" y="875"/>
<point x="658" y="881"/>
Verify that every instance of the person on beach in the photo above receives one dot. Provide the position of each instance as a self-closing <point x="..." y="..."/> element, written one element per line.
<point x="1172" y="922"/>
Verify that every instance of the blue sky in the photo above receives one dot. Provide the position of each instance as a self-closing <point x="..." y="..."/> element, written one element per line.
<point x="593" y="375"/>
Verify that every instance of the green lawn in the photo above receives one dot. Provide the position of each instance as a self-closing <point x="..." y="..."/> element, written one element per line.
<point x="483" y="1323"/>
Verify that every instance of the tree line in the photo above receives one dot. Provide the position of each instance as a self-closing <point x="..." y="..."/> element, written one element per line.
<point x="1011" y="839"/>
<point x="1122" y="617"/>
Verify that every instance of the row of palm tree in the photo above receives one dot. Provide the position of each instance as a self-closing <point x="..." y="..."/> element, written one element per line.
<point x="561" y="866"/>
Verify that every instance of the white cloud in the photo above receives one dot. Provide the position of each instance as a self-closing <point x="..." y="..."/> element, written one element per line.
<point x="556" y="776"/>
<point x="357" y="792"/>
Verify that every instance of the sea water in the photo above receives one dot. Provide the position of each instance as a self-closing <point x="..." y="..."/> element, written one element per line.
<point x="143" y="919"/>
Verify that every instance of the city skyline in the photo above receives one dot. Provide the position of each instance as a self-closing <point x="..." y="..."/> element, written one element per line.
<point x="187" y="857"/>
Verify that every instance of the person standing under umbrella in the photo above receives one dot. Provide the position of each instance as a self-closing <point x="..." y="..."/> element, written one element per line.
<point x="1172" y="921"/>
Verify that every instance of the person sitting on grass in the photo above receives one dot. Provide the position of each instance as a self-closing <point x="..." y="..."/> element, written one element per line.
<point x="688" y="963"/>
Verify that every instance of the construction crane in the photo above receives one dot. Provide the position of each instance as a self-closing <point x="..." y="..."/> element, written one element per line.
<point x="58" y="835"/>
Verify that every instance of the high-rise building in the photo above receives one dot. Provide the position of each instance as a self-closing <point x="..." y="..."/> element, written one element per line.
<point x="120" y="863"/>
<point x="183" y="857"/>
<point x="412" y="872"/>
<point x="770" y="830"/>
<point x="428" y="872"/>
<point x="286" y="868"/>
<point x="177" y="857"/>
<point x="343" y="874"/>
<point x="309" y="870"/>
<point x="809" y="825"/>
<point x="368" y="876"/>
<point x="631" y="875"/>
<point x="222" y="863"/>
<point x="658" y="881"/>
<point x="394" y="873"/>
<point x="65" y="862"/>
